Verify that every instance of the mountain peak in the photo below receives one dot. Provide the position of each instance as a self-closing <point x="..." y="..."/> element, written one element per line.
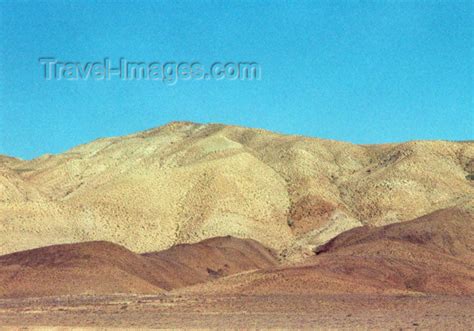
<point x="184" y="182"/>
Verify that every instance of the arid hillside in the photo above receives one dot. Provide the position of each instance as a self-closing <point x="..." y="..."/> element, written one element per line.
<point x="104" y="268"/>
<point x="447" y="231"/>
<point x="185" y="182"/>
<point x="433" y="254"/>
<point x="188" y="264"/>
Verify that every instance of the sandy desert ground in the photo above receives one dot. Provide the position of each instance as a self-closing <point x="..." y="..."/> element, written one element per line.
<point x="413" y="275"/>
<point x="350" y="312"/>
<point x="212" y="226"/>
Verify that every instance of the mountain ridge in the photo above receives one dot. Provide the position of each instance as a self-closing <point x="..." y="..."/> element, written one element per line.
<point x="179" y="123"/>
<point x="185" y="182"/>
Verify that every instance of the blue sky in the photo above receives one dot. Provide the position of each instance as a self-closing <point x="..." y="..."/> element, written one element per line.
<point x="364" y="72"/>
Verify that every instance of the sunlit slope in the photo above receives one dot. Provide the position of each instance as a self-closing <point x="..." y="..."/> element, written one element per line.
<point x="100" y="267"/>
<point x="432" y="254"/>
<point x="184" y="182"/>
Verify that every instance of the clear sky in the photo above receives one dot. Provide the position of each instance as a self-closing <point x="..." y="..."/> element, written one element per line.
<point x="365" y="72"/>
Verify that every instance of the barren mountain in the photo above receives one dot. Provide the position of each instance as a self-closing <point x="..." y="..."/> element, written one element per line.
<point x="433" y="254"/>
<point x="188" y="264"/>
<point x="185" y="182"/>
<point x="105" y="268"/>
<point x="448" y="231"/>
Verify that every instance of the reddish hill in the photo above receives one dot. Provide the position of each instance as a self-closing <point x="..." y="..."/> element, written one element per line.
<point x="189" y="264"/>
<point x="431" y="254"/>
<point x="102" y="267"/>
<point x="449" y="231"/>
<point x="84" y="268"/>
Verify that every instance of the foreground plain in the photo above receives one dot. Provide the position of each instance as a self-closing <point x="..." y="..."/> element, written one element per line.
<point x="212" y="226"/>
<point x="175" y="310"/>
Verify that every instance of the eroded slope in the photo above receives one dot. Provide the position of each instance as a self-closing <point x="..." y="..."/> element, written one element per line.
<point x="185" y="182"/>
<point x="106" y="268"/>
<point x="433" y="254"/>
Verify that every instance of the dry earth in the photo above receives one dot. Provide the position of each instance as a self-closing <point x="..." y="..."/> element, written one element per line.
<point x="136" y="231"/>
<point x="433" y="254"/>
<point x="185" y="182"/>
<point x="413" y="275"/>
<point x="334" y="312"/>
<point x="105" y="268"/>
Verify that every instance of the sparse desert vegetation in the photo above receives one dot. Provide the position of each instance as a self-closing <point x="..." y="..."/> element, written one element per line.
<point x="233" y="225"/>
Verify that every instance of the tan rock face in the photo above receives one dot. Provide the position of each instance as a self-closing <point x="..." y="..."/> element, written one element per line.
<point x="185" y="182"/>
